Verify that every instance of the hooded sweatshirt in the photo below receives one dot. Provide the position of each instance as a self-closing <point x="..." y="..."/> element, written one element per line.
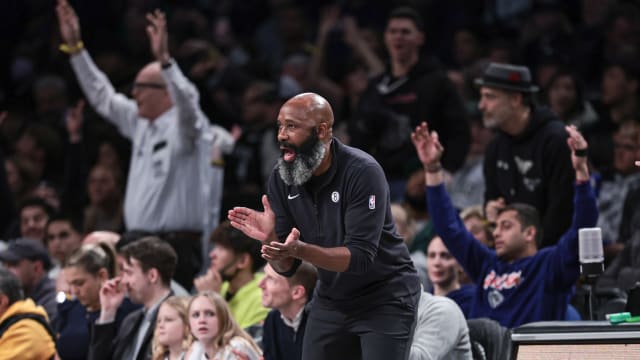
<point x="391" y="108"/>
<point x="534" y="168"/>
<point x="26" y="339"/>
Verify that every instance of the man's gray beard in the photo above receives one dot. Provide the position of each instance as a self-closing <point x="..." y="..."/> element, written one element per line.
<point x="301" y="169"/>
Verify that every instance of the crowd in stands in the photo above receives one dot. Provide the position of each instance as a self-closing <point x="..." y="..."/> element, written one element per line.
<point x="129" y="130"/>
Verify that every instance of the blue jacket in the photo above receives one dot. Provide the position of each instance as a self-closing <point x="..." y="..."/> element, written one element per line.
<point x="535" y="288"/>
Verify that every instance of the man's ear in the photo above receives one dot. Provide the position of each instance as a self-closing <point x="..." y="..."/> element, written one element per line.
<point x="323" y="131"/>
<point x="153" y="275"/>
<point x="298" y="292"/>
<point x="530" y="233"/>
<point x="244" y="261"/>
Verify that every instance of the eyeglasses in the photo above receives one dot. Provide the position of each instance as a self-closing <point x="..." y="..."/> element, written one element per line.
<point x="149" y="85"/>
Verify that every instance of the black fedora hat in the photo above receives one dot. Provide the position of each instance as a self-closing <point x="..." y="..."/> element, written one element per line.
<point x="508" y="77"/>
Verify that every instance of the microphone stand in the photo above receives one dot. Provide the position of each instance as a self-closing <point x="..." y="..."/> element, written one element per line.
<point x="590" y="273"/>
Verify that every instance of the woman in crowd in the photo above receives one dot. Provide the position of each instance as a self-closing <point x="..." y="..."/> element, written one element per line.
<point x="172" y="337"/>
<point x="443" y="272"/>
<point x="217" y="334"/>
<point x="85" y="271"/>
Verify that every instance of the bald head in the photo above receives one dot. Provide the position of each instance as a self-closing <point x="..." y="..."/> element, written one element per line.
<point x="314" y="106"/>
<point x="152" y="72"/>
<point x="150" y="92"/>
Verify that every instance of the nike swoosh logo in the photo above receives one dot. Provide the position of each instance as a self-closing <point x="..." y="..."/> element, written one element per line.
<point x="291" y="197"/>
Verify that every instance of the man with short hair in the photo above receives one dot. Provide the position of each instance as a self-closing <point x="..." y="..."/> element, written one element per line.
<point x="235" y="261"/>
<point x="24" y="330"/>
<point x="29" y="261"/>
<point x="63" y="237"/>
<point x="414" y="87"/>
<point x="528" y="160"/>
<point x="283" y="330"/>
<point x="34" y="214"/>
<point x="148" y="267"/>
<point x="517" y="283"/>
<point x="331" y="208"/>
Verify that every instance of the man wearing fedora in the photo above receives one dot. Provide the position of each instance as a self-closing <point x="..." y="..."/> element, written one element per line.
<point x="528" y="160"/>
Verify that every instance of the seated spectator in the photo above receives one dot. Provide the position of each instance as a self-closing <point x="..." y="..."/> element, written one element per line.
<point x="147" y="270"/>
<point x="406" y="228"/>
<point x="34" y="213"/>
<point x="285" y="324"/>
<point x="565" y="96"/>
<point x="235" y="261"/>
<point x="63" y="237"/>
<point x="216" y="332"/>
<point x="441" y="331"/>
<point x="85" y="271"/>
<point x="104" y="211"/>
<point x="26" y="333"/>
<point x="29" y="261"/>
<point x="519" y="284"/>
<point x="172" y="337"/>
<point x="622" y="178"/>
<point x="443" y="272"/>
<point x="477" y="225"/>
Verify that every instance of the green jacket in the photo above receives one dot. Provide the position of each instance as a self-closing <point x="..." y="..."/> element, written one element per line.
<point x="246" y="305"/>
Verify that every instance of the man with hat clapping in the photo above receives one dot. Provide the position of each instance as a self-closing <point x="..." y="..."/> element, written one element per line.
<point x="528" y="160"/>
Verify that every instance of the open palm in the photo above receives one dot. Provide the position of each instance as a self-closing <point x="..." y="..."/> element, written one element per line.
<point x="255" y="224"/>
<point x="427" y="145"/>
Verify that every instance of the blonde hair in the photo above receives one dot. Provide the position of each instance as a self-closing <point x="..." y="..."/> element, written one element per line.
<point x="228" y="328"/>
<point x="181" y="305"/>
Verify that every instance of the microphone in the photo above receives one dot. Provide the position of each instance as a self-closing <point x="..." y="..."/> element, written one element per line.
<point x="591" y="253"/>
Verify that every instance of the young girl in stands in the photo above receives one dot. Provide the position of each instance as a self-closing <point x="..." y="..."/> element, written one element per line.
<point x="217" y="333"/>
<point x="172" y="337"/>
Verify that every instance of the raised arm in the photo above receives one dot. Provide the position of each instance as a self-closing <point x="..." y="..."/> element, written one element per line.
<point x="113" y="106"/>
<point x="183" y="93"/>
<point x="585" y="214"/>
<point x="469" y="252"/>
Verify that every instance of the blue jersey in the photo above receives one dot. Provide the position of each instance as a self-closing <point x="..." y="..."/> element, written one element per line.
<point x="534" y="288"/>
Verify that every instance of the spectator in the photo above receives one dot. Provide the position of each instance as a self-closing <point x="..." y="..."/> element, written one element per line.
<point x="565" y="96"/>
<point x="528" y="160"/>
<point x="441" y="331"/>
<point x="517" y="283"/>
<point x="85" y="271"/>
<point x="620" y="103"/>
<point x="29" y="261"/>
<point x="477" y="225"/>
<point x="412" y="89"/>
<point x="217" y="333"/>
<point x="147" y="270"/>
<point x="20" y="178"/>
<point x="287" y="297"/>
<point x="28" y="335"/>
<point x="467" y="183"/>
<point x="235" y="261"/>
<point x="166" y="125"/>
<point x="34" y="214"/>
<point x="444" y="273"/>
<point x="63" y="237"/>
<point x="406" y="228"/>
<point x="104" y="211"/>
<point x="616" y="184"/>
<point x="172" y="337"/>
